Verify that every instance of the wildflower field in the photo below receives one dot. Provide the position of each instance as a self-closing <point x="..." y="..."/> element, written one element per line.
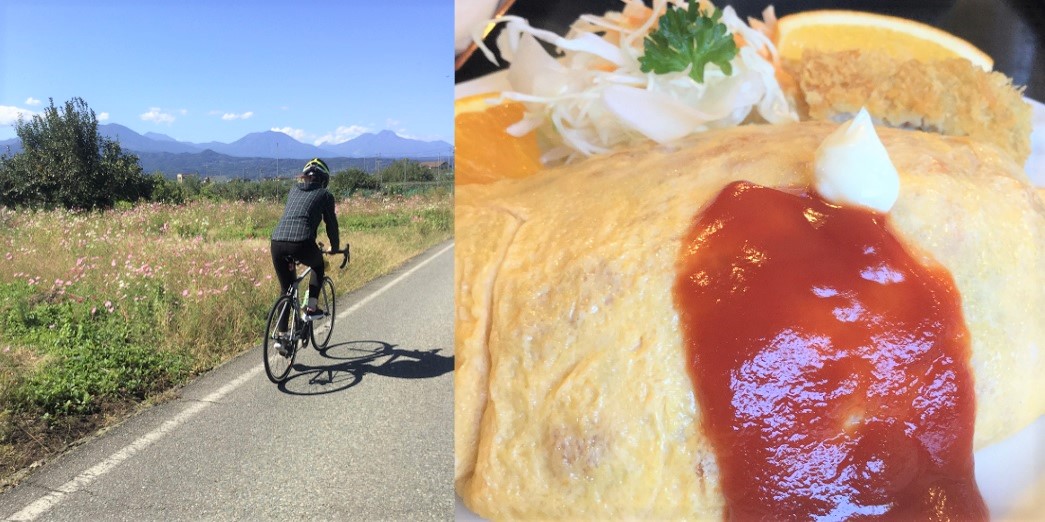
<point x="101" y="312"/>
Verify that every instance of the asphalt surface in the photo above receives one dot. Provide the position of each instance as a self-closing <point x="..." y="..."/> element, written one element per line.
<point x="360" y="431"/>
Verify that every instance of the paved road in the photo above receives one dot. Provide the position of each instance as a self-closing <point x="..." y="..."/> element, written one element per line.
<point x="361" y="432"/>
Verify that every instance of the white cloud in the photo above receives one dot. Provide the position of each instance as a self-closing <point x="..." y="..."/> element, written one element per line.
<point x="396" y="126"/>
<point x="184" y="112"/>
<point x="103" y="116"/>
<point x="9" y="115"/>
<point x="297" y="134"/>
<point x="341" y="135"/>
<point x="233" y="116"/>
<point x="156" y="115"/>
<point x="32" y="101"/>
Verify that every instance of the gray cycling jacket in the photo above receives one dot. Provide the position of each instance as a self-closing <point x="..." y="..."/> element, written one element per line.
<point x="307" y="204"/>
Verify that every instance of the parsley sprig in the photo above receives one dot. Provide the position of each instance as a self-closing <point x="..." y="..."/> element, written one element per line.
<point x="688" y="36"/>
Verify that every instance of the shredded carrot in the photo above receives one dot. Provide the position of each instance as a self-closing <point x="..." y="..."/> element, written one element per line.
<point x="636" y="14"/>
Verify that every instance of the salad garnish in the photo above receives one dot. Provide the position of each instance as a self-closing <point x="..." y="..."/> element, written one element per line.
<point x="689" y="38"/>
<point x="615" y="79"/>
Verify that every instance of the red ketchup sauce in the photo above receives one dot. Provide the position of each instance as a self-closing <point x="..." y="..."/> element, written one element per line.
<point x="831" y="367"/>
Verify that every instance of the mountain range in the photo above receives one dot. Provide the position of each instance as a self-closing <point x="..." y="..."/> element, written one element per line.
<point x="257" y="151"/>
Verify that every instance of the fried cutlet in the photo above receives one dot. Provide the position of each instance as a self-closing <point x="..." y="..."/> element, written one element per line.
<point x="950" y="97"/>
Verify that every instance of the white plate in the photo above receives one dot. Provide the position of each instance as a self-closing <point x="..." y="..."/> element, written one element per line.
<point x="1010" y="474"/>
<point x="1035" y="165"/>
<point x="468" y="14"/>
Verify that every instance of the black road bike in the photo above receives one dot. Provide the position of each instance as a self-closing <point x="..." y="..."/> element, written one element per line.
<point x="289" y="330"/>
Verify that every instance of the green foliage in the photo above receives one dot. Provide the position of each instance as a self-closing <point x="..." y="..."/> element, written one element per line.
<point x="358" y="222"/>
<point x="438" y="219"/>
<point x="166" y="190"/>
<point x="193" y="188"/>
<point x="413" y="178"/>
<point x="687" y="37"/>
<point x="348" y="182"/>
<point x="66" y="163"/>
<point x="405" y="170"/>
<point x="92" y="353"/>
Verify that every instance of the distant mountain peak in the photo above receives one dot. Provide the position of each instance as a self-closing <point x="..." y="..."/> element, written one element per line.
<point x="389" y="144"/>
<point x="159" y="137"/>
<point x="269" y="144"/>
<point x="131" y="140"/>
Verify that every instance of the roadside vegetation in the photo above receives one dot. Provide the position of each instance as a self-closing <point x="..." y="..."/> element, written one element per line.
<point x="111" y="301"/>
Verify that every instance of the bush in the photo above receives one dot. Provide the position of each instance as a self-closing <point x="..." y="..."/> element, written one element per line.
<point x="347" y="182"/>
<point x="166" y="190"/>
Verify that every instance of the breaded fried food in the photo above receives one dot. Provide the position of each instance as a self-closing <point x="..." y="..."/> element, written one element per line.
<point x="951" y="97"/>
<point x="572" y="397"/>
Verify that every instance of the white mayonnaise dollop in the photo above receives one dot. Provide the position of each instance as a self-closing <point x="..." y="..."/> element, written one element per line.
<point x="852" y="167"/>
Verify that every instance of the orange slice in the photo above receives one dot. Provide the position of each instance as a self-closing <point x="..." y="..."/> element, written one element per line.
<point x="484" y="151"/>
<point x="837" y="30"/>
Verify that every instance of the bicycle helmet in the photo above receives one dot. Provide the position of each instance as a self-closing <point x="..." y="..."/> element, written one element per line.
<point x="318" y="169"/>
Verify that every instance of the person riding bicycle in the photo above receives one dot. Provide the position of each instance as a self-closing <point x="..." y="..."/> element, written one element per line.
<point x="295" y="236"/>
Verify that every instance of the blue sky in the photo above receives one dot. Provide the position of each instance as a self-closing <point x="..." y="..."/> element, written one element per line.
<point x="217" y="70"/>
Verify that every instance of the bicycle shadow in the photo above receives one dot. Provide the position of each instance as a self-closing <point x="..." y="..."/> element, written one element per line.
<point x="350" y="361"/>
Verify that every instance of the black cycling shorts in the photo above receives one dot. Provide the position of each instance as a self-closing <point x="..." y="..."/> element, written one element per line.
<point x="306" y="253"/>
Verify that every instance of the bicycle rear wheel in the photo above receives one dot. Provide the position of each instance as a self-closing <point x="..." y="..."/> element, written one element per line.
<point x="278" y="362"/>
<point x="323" y="327"/>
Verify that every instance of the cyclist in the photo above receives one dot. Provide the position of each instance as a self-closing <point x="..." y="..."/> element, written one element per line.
<point x="295" y="236"/>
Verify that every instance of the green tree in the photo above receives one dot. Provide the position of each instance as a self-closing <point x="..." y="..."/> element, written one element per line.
<point x="406" y="170"/>
<point x="166" y="190"/>
<point x="65" y="163"/>
<point x="347" y="182"/>
<point x="192" y="186"/>
<point x="274" y="189"/>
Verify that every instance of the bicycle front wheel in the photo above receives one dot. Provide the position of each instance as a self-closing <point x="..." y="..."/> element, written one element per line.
<point x="323" y="327"/>
<point x="278" y="350"/>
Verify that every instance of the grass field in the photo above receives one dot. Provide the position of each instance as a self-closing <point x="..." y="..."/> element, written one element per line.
<point x="102" y="312"/>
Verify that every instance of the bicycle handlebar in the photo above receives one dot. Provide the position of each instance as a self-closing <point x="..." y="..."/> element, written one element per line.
<point x="345" y="253"/>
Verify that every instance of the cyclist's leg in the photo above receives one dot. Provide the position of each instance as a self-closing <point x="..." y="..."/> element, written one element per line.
<point x="310" y="255"/>
<point x="284" y="272"/>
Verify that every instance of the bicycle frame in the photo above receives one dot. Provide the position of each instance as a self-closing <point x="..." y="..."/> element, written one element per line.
<point x="292" y="290"/>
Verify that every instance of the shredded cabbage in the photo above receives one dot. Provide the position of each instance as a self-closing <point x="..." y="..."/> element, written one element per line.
<point x="594" y="98"/>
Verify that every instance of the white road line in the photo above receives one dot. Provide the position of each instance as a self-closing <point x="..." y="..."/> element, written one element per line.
<point x="81" y="481"/>
<point x="392" y="283"/>
<point x="41" y="505"/>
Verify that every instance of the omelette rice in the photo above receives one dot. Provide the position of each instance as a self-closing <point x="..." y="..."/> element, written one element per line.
<point x="572" y="398"/>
